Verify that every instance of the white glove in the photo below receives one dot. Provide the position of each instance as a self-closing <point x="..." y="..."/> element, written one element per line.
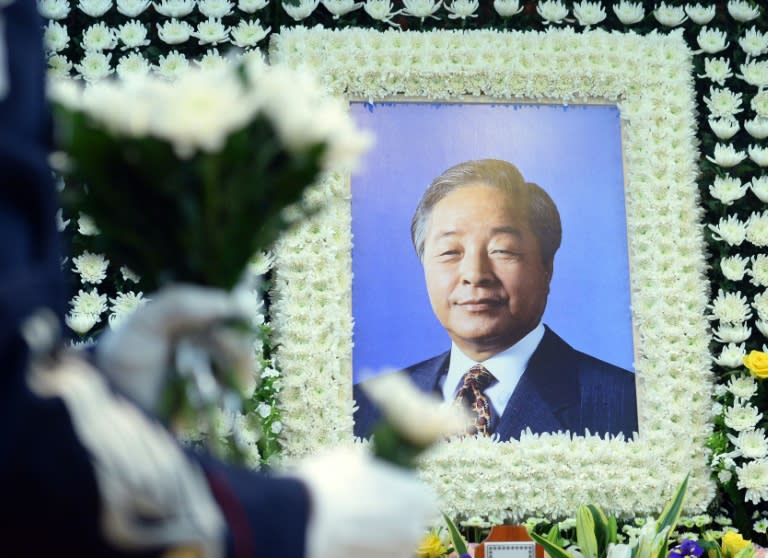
<point x="139" y="353"/>
<point x="364" y="507"/>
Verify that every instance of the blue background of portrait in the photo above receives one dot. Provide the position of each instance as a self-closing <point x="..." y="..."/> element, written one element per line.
<point x="573" y="152"/>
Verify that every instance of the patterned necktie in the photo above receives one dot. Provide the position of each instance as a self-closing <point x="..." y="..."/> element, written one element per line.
<point x="471" y="394"/>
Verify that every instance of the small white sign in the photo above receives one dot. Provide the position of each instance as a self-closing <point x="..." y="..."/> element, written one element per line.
<point x="510" y="550"/>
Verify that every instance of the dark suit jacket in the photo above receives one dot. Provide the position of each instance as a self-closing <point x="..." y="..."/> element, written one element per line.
<point x="561" y="389"/>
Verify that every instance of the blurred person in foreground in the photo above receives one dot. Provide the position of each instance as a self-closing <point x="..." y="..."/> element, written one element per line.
<point x="85" y="468"/>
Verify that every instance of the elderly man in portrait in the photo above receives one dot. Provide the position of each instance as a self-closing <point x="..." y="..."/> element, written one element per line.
<point x="487" y="240"/>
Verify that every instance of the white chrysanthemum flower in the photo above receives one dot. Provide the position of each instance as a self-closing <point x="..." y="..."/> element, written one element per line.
<point x="420" y="417"/>
<point x="724" y="128"/>
<point x="757" y="127"/>
<point x="248" y="33"/>
<point x="754" y="73"/>
<point x="94" y="66"/>
<point x="760" y="526"/>
<point x="132" y="65"/>
<point x="215" y="8"/>
<point x="175" y="8"/>
<point x="759" y="271"/>
<point x="699" y="14"/>
<point x="81" y="323"/>
<point x="588" y="13"/>
<point x="338" y="8"/>
<point x="759" y="103"/>
<point x="132" y="8"/>
<point x="94" y="8"/>
<point x="172" y="65"/>
<point x="128" y="275"/>
<point x="629" y="13"/>
<point x="730" y="230"/>
<point x="759" y="155"/>
<point x="751" y="444"/>
<point x="86" y="226"/>
<point x="743" y="387"/>
<point x="731" y="356"/>
<point x="757" y="229"/>
<point x="218" y="105"/>
<point x="731" y="308"/>
<point x="507" y="8"/>
<point x="552" y="11"/>
<point x="742" y="417"/>
<point x="723" y="103"/>
<point x="717" y="70"/>
<point x="264" y="410"/>
<point x="211" y="32"/>
<point x="174" y="32"/>
<point x="754" y="43"/>
<point x="732" y="333"/>
<point x="380" y="10"/>
<point x="712" y="41"/>
<point x="743" y="11"/>
<point x="669" y="16"/>
<point x="302" y="10"/>
<point x="760" y="303"/>
<point x="270" y="372"/>
<point x="123" y="305"/>
<point x="421" y="8"/>
<point x="92" y="268"/>
<point x="251" y="6"/>
<point x="89" y="302"/>
<point x="462" y="9"/>
<point x="759" y="187"/>
<point x="728" y="189"/>
<point x="726" y="156"/>
<point x="734" y="267"/>
<point x="53" y="9"/>
<point x="724" y="476"/>
<point x="753" y="477"/>
<point x="212" y="61"/>
<point x="55" y="37"/>
<point x="132" y="34"/>
<point x="59" y="66"/>
<point x="277" y="427"/>
<point x="98" y="37"/>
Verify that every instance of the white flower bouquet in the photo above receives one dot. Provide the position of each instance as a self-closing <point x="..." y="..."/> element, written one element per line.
<point x="187" y="180"/>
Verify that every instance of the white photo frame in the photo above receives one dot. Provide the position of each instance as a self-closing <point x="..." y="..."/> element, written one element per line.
<point x="548" y="475"/>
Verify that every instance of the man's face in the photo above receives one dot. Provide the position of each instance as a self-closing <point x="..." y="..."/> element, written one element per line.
<point x="486" y="280"/>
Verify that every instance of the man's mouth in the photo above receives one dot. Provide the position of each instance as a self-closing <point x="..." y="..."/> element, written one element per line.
<point x="479" y="304"/>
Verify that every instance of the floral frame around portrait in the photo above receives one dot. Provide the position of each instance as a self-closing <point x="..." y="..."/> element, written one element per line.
<point x="650" y="79"/>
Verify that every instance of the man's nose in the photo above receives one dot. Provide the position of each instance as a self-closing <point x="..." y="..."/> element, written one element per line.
<point x="476" y="268"/>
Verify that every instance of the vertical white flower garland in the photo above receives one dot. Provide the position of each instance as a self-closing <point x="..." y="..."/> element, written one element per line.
<point x="549" y="475"/>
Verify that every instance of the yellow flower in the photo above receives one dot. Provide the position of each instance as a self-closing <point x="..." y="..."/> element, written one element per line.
<point x="732" y="541"/>
<point x="431" y="547"/>
<point x="757" y="363"/>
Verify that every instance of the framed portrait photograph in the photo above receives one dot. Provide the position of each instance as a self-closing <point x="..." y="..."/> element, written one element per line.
<point x="604" y="123"/>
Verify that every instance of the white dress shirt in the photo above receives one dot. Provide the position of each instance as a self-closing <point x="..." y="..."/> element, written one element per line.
<point x="507" y="367"/>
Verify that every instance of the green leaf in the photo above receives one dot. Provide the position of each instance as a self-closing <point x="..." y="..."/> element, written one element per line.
<point x="459" y="544"/>
<point x="554" y="550"/>
<point x="671" y="513"/>
<point x="601" y="529"/>
<point x="585" y="532"/>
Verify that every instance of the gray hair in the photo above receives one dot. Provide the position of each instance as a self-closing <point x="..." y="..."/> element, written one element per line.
<point x="534" y="203"/>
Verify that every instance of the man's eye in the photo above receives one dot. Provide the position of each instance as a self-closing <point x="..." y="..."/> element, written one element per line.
<point x="449" y="252"/>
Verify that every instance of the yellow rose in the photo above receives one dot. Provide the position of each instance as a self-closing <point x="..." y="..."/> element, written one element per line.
<point x="732" y="541"/>
<point x="431" y="547"/>
<point x="757" y="362"/>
